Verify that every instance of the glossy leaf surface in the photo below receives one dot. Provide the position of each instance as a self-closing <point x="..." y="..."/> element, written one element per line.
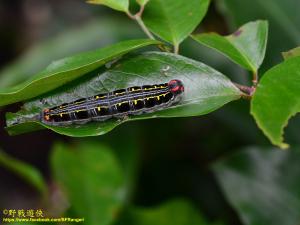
<point x="276" y="99"/>
<point x="65" y="70"/>
<point x="282" y="16"/>
<point x="173" y="20"/>
<point x="205" y="91"/>
<point x="246" y="47"/>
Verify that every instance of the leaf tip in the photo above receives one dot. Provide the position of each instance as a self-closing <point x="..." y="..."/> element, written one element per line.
<point x="284" y="146"/>
<point x="291" y="53"/>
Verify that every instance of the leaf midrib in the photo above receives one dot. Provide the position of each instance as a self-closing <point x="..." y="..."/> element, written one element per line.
<point x="243" y="54"/>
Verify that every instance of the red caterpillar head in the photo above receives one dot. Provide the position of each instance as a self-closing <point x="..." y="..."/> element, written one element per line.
<point x="176" y="87"/>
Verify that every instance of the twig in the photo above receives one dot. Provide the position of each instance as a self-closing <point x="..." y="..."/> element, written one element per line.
<point x="138" y="18"/>
<point x="144" y="28"/>
<point x="255" y="79"/>
<point x="176" y="48"/>
<point x="247" y="91"/>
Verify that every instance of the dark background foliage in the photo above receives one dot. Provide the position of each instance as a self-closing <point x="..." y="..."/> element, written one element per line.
<point x="175" y="156"/>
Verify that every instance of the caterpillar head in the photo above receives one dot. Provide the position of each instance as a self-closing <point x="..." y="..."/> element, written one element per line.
<point x="176" y="87"/>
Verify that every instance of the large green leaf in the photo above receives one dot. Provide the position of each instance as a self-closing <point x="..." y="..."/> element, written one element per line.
<point x="120" y="5"/>
<point x="246" y="46"/>
<point x="262" y="185"/>
<point x="65" y="70"/>
<point x="91" y="178"/>
<point x="173" y="20"/>
<point x="27" y="172"/>
<point x="175" y="212"/>
<point x="276" y="99"/>
<point x="205" y="90"/>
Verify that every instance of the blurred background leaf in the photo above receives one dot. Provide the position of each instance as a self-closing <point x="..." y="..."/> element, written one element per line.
<point x="27" y="172"/>
<point x="91" y="178"/>
<point x="260" y="184"/>
<point x="177" y="212"/>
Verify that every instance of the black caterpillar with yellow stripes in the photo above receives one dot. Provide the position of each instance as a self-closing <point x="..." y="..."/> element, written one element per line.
<point x="117" y="104"/>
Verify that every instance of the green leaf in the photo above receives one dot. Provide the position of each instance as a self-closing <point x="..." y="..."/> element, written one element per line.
<point x="120" y="5"/>
<point x="246" y="46"/>
<point x="276" y="99"/>
<point x="177" y="212"/>
<point x="95" y="34"/>
<point x="128" y="153"/>
<point x="142" y="2"/>
<point x="91" y="178"/>
<point x="205" y="91"/>
<point x="65" y="70"/>
<point x="262" y="185"/>
<point x="282" y="16"/>
<point x="292" y="53"/>
<point x="173" y="20"/>
<point x="27" y="172"/>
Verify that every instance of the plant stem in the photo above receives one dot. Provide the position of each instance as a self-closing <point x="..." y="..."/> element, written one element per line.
<point x="255" y="79"/>
<point x="247" y="91"/>
<point x="138" y="18"/>
<point x="176" y="49"/>
<point x="143" y="27"/>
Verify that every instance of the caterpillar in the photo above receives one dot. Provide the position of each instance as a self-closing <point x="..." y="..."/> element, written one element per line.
<point x="116" y="104"/>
